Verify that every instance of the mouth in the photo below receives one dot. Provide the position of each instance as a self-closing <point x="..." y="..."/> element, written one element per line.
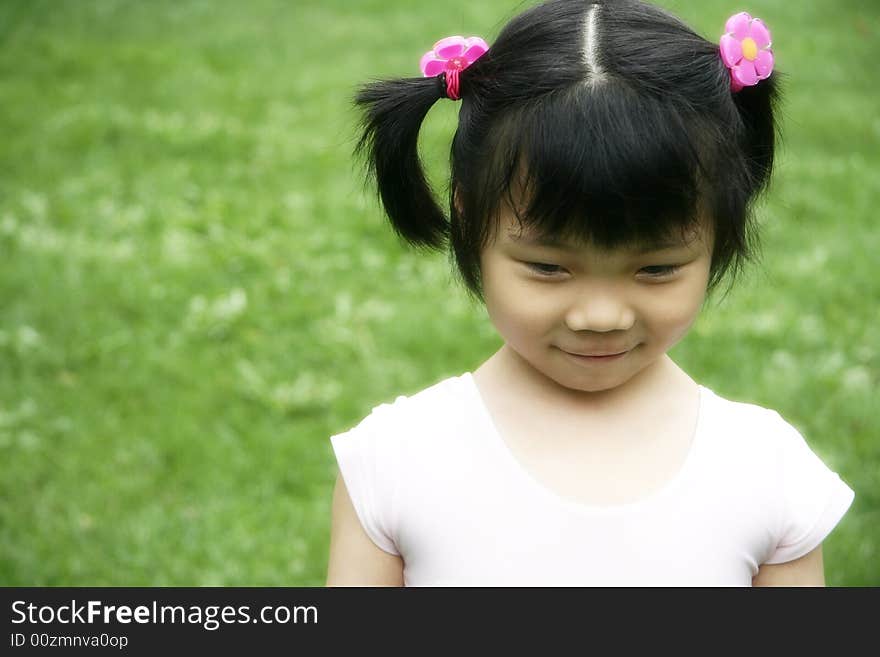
<point x="597" y="353"/>
<point x="595" y="357"/>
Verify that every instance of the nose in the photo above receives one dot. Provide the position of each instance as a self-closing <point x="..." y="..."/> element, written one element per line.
<point x="600" y="311"/>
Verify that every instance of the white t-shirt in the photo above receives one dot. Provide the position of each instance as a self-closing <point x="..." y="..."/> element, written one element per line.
<point x="431" y="480"/>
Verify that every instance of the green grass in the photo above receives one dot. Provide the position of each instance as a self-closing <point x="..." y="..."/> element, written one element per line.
<point x="197" y="290"/>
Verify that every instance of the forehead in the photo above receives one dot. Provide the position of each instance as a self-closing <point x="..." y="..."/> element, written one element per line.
<point x="691" y="237"/>
<point x="552" y="242"/>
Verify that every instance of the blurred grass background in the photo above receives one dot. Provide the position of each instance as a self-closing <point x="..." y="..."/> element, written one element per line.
<point x="197" y="291"/>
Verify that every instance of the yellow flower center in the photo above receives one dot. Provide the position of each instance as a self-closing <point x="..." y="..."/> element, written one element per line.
<point x="750" y="49"/>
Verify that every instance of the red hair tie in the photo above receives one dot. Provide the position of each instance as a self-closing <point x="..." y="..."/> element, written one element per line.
<point x="451" y="79"/>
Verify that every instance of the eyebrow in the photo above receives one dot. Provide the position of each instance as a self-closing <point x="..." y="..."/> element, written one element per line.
<point x="555" y="243"/>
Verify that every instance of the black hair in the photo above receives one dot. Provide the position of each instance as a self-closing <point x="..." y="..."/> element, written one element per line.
<point x="614" y="118"/>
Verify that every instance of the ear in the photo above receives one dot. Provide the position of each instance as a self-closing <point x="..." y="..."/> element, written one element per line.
<point x="456" y="199"/>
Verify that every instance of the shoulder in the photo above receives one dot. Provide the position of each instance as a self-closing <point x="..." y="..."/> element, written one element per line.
<point x="418" y="414"/>
<point x="745" y="437"/>
<point x="760" y="429"/>
<point x="746" y="424"/>
<point x="433" y="400"/>
<point x="741" y="412"/>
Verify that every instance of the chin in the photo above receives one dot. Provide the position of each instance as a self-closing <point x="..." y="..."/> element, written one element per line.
<point x="585" y="382"/>
<point x="592" y="385"/>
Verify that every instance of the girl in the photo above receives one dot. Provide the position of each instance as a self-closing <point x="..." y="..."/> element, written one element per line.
<point x="602" y="179"/>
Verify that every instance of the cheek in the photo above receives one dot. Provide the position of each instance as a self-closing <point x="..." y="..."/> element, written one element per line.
<point x="672" y="316"/>
<point x="515" y="307"/>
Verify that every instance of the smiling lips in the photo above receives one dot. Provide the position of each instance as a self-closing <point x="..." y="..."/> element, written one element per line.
<point x="596" y="354"/>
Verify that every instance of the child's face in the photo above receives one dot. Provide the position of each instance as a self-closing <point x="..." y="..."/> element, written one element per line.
<point x="582" y="300"/>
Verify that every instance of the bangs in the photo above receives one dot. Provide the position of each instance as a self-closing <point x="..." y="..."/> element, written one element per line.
<point x="599" y="164"/>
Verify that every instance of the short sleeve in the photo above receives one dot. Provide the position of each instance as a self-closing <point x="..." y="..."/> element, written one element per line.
<point x="367" y="468"/>
<point x="813" y="498"/>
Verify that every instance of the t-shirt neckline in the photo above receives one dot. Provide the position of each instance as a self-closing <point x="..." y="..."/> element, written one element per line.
<point x="554" y="498"/>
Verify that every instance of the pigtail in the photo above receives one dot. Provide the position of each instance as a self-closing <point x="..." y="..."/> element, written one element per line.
<point x="756" y="106"/>
<point x="393" y="112"/>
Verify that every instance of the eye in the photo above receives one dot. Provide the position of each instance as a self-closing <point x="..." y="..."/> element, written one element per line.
<point x="544" y="269"/>
<point x="660" y="271"/>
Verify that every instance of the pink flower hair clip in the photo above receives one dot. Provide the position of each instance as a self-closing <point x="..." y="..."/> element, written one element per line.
<point x="450" y="56"/>
<point x="745" y="50"/>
